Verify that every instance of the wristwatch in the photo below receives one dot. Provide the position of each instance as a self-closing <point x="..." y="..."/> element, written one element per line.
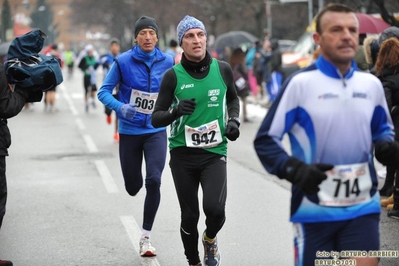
<point x="236" y="119"/>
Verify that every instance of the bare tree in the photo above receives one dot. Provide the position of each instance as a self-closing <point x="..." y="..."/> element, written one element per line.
<point x="219" y="16"/>
<point x="385" y="14"/>
<point x="114" y="15"/>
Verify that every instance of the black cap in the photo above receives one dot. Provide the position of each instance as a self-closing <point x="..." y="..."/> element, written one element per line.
<point x="173" y="43"/>
<point x="145" y="22"/>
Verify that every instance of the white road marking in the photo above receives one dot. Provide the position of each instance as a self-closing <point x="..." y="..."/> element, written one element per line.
<point x="61" y="87"/>
<point x="77" y="95"/>
<point x="134" y="233"/>
<point x="80" y="124"/>
<point x="106" y="176"/>
<point x="91" y="146"/>
<point x="68" y="99"/>
<point x="73" y="110"/>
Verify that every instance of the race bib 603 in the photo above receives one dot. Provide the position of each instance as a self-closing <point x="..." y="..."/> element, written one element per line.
<point x="145" y="101"/>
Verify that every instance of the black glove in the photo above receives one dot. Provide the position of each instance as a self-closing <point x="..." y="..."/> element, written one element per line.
<point x="387" y="153"/>
<point x="304" y="176"/>
<point x="185" y="107"/>
<point x="232" y="131"/>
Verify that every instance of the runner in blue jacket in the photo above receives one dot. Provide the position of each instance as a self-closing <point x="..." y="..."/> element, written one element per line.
<point x="139" y="72"/>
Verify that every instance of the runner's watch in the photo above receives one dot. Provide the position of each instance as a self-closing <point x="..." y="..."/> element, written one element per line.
<point x="236" y="119"/>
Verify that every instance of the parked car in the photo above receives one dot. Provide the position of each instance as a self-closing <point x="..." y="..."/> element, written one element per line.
<point x="286" y="45"/>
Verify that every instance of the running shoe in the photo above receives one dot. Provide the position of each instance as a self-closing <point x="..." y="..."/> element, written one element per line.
<point x="211" y="252"/>
<point x="109" y="119"/>
<point x="116" y="137"/>
<point x="92" y="102"/>
<point x="6" y="263"/>
<point x="146" y="249"/>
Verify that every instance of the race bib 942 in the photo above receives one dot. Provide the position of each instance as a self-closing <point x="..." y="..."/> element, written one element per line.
<point x="205" y="136"/>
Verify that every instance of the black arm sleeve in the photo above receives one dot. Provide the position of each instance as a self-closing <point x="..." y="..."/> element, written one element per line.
<point x="82" y="64"/>
<point x="233" y="103"/>
<point x="11" y="102"/>
<point x="161" y="116"/>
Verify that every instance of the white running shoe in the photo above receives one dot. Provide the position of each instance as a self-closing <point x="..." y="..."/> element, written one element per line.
<point x="146" y="249"/>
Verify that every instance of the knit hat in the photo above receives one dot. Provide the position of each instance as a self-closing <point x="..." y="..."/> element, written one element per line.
<point x="89" y="47"/>
<point x="145" y="22"/>
<point x="388" y="33"/>
<point x="187" y="24"/>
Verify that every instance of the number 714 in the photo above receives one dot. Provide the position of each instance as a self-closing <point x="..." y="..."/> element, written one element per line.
<point x="349" y="186"/>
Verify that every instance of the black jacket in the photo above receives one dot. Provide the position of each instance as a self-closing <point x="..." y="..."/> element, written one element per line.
<point x="390" y="82"/>
<point x="11" y="103"/>
<point x="275" y="63"/>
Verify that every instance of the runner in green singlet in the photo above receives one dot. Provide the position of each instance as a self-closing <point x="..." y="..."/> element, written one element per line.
<point x="193" y="99"/>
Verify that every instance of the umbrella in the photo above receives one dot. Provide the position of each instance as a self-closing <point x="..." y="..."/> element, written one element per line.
<point x="370" y="24"/>
<point x="234" y="39"/>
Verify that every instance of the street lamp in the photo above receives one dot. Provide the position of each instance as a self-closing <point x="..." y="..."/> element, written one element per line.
<point x="269" y="17"/>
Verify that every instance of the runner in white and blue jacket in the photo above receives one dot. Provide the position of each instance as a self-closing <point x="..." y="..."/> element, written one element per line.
<point x="139" y="72"/>
<point x="329" y="120"/>
<point x="331" y="124"/>
<point x="333" y="121"/>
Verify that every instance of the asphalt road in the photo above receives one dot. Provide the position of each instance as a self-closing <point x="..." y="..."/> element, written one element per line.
<point x="67" y="204"/>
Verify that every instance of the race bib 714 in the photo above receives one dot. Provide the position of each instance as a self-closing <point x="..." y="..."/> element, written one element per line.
<point x="346" y="185"/>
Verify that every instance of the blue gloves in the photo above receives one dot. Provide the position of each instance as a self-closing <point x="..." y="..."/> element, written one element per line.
<point x="128" y="110"/>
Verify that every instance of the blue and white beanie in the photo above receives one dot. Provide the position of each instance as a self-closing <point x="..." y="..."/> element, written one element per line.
<point x="186" y="24"/>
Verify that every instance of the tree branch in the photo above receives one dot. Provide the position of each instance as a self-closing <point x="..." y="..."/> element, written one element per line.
<point x="385" y="15"/>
